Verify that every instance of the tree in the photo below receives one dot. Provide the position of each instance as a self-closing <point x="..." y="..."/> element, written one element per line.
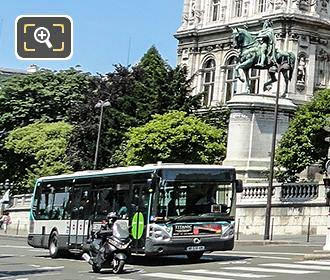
<point x="174" y="137"/>
<point x="38" y="150"/>
<point x="41" y="96"/>
<point x="162" y="88"/>
<point x="304" y="142"/>
<point x="44" y="95"/>
<point x="136" y="93"/>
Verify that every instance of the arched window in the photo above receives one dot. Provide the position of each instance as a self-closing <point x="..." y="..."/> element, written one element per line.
<point x="208" y="81"/>
<point x="231" y="83"/>
<point x="238" y="7"/>
<point x="215" y="10"/>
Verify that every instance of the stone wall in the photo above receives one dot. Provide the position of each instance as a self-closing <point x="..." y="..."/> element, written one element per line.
<point x="293" y="208"/>
<point x="19" y="211"/>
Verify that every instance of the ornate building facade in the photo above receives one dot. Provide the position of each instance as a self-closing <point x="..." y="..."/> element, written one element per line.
<point x="205" y="44"/>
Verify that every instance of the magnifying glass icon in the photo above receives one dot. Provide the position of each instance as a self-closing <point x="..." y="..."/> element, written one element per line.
<point x="41" y="35"/>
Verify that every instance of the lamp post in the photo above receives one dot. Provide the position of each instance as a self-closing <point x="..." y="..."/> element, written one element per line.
<point x="272" y="155"/>
<point x="101" y="104"/>
<point x="327" y="188"/>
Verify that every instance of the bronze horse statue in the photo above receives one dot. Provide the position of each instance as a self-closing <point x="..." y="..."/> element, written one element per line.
<point x="249" y="58"/>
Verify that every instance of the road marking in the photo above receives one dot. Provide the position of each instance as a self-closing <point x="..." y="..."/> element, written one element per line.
<point x="114" y="278"/>
<point x="37" y="250"/>
<point x="208" y="272"/>
<point x="271" y="270"/>
<point x="251" y="256"/>
<point x="298" y="266"/>
<point x="315" y="262"/>
<point x="50" y="268"/>
<point x="16" y="247"/>
<point x="35" y="265"/>
<point x="46" y="274"/>
<point x="181" y="276"/>
<point x="264" y="253"/>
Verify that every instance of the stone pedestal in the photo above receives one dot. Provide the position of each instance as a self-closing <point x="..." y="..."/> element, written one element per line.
<point x="250" y="133"/>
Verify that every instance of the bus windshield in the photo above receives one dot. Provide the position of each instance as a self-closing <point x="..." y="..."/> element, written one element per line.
<point x="194" y="199"/>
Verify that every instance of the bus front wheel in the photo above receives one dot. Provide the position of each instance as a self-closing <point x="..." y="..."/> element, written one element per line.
<point x="54" y="250"/>
<point x="195" y="256"/>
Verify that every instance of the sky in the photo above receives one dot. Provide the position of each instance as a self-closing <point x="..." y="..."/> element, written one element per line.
<point x="102" y="31"/>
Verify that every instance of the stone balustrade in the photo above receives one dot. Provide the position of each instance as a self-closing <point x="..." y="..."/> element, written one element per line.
<point x="299" y="192"/>
<point x="282" y="193"/>
<point x="296" y="209"/>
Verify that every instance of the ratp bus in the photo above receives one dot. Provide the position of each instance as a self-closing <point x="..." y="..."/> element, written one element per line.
<point x="170" y="208"/>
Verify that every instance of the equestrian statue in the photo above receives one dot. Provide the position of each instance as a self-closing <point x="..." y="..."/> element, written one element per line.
<point x="257" y="51"/>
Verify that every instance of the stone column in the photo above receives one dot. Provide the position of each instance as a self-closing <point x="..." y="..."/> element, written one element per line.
<point x="250" y="133"/>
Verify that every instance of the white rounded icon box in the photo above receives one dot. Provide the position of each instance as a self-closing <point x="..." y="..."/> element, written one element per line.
<point x="44" y="37"/>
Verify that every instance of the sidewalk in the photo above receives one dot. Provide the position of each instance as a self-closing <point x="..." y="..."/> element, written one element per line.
<point x="314" y="240"/>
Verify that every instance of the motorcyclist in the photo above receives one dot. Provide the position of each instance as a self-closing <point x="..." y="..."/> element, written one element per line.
<point x="98" y="246"/>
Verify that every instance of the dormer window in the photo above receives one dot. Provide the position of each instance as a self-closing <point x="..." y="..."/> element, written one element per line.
<point x="215" y="10"/>
<point x="238" y="7"/>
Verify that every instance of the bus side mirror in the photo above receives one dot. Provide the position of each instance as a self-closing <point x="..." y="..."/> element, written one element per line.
<point x="327" y="187"/>
<point x="239" y="186"/>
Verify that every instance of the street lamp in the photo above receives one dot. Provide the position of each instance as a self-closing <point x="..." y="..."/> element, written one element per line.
<point x="283" y="66"/>
<point x="101" y="104"/>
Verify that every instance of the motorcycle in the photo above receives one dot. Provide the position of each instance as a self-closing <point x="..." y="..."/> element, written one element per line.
<point x="110" y="246"/>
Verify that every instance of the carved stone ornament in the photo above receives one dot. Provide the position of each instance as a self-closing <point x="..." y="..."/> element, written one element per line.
<point x="278" y="4"/>
<point x="322" y="5"/>
<point x="195" y="14"/>
<point x="304" y="5"/>
<point x="322" y="55"/>
<point x="301" y="70"/>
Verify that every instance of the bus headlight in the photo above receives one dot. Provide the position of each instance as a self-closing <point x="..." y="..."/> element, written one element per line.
<point x="228" y="232"/>
<point x="159" y="233"/>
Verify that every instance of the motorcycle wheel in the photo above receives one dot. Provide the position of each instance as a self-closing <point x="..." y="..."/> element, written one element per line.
<point x="96" y="268"/>
<point x="118" y="266"/>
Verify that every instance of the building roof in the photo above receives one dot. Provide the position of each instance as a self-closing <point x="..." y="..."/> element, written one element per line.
<point x="11" y="71"/>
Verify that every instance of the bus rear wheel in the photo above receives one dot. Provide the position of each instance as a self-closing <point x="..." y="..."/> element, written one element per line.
<point x="54" y="250"/>
<point x="195" y="256"/>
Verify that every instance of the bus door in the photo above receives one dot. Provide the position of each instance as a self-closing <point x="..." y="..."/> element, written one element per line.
<point x="82" y="206"/>
<point x="139" y="214"/>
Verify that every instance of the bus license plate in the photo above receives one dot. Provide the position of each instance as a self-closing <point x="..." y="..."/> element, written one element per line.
<point x="195" y="248"/>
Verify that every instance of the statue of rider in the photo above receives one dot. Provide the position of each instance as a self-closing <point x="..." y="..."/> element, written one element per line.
<point x="266" y="39"/>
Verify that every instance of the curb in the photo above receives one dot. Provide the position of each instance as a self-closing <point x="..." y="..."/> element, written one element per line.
<point x="265" y="242"/>
<point x="11" y="236"/>
<point x="325" y="255"/>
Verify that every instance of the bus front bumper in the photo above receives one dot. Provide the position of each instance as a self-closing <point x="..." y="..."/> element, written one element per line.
<point x="180" y="246"/>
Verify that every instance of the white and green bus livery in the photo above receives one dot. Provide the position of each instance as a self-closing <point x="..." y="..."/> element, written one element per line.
<point x="170" y="208"/>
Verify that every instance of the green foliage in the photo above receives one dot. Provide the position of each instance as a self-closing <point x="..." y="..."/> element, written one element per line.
<point x="39" y="150"/>
<point x="41" y="96"/>
<point x="135" y="94"/>
<point x="174" y="137"/>
<point x="44" y="95"/>
<point x="304" y="142"/>
<point x="162" y="88"/>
